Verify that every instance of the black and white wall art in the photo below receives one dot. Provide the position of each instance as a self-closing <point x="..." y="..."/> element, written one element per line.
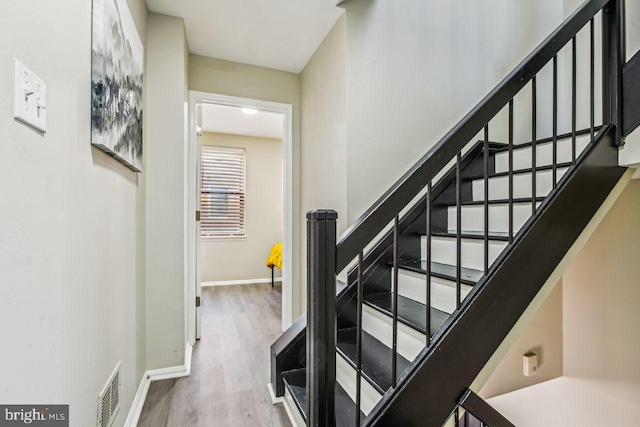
<point x="116" y="82"/>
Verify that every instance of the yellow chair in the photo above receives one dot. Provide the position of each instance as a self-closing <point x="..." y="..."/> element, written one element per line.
<point x="275" y="259"/>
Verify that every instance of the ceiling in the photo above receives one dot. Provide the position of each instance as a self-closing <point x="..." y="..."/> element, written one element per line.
<point x="231" y="120"/>
<point x="279" y="34"/>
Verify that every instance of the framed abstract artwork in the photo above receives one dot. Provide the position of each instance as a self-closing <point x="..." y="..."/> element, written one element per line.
<point x="117" y="63"/>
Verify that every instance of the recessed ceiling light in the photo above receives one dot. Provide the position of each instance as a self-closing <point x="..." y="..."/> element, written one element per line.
<point x="249" y="111"/>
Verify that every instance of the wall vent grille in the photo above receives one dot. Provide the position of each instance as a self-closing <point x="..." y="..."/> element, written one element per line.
<point x="109" y="399"/>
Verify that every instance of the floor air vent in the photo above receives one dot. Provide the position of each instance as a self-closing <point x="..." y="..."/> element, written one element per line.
<point x="109" y="400"/>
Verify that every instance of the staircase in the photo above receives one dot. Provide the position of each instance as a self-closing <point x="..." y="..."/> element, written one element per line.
<point x="443" y="265"/>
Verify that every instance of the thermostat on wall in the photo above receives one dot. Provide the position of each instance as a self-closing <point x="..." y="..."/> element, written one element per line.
<point x="529" y="364"/>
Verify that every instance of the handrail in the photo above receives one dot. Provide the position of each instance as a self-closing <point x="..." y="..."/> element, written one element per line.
<point x="483" y="411"/>
<point x="383" y="211"/>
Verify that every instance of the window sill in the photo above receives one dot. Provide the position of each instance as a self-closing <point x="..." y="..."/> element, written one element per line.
<point x="223" y="238"/>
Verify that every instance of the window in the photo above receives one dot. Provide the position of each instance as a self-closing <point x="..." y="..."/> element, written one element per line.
<point x="222" y="192"/>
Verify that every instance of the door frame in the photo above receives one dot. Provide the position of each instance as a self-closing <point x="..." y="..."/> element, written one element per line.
<point x="196" y="97"/>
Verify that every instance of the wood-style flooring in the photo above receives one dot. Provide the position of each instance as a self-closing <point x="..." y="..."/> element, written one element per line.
<point x="230" y="366"/>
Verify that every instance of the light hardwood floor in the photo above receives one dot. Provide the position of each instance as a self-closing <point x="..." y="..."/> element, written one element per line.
<point x="230" y="366"/>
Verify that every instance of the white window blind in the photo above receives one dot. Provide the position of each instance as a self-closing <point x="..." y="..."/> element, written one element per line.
<point x="222" y="193"/>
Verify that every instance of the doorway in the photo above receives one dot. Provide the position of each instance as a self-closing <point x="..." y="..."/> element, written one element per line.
<point x="211" y="122"/>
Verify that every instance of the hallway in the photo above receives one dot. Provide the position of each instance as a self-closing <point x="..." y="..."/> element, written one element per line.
<point x="230" y="366"/>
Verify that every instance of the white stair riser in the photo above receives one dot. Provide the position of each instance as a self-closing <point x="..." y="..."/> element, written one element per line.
<point x="544" y="154"/>
<point x="499" y="186"/>
<point x="346" y="376"/>
<point x="294" y="414"/>
<point x="443" y="250"/>
<point x="413" y="285"/>
<point x="473" y="217"/>
<point x="380" y="326"/>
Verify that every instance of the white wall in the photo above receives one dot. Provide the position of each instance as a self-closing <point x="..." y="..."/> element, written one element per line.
<point x="165" y="185"/>
<point x="630" y="153"/>
<point x="71" y="293"/>
<point x="246" y="81"/>
<point x="245" y="259"/>
<point x="415" y="68"/>
<point x="632" y="10"/>
<point x="600" y="317"/>
<point x="601" y="308"/>
<point x="543" y="336"/>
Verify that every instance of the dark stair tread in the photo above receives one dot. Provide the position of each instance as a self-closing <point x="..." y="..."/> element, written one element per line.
<point x="497" y="236"/>
<point x="474" y="177"/>
<point x="376" y="358"/>
<point x="296" y="382"/>
<point x="410" y="312"/>
<point x="444" y="271"/>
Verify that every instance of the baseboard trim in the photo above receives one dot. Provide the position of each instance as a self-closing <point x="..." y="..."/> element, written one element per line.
<point x="155" y="375"/>
<point x="241" y="282"/>
<point x="138" y="402"/>
<point x="174" y="371"/>
<point x="272" y="394"/>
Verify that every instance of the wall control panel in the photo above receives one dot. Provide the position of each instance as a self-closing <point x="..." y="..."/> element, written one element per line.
<point x="529" y="364"/>
<point x="29" y="98"/>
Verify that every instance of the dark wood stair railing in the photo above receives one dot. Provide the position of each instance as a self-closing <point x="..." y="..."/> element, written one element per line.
<point x="631" y="85"/>
<point x="321" y="318"/>
<point x="376" y="218"/>
<point x="482" y="413"/>
<point x="479" y="322"/>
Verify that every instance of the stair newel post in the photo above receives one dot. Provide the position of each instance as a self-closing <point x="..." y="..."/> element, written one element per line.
<point x="613" y="59"/>
<point x="321" y="317"/>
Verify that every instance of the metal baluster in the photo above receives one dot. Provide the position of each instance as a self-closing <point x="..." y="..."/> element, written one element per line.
<point x="534" y="142"/>
<point x="554" y="161"/>
<point x="456" y="416"/>
<point x="574" y="61"/>
<point x="428" y="266"/>
<point x="360" y="292"/>
<point x="394" y="355"/>
<point x="613" y="59"/>
<point x="593" y="82"/>
<point x="458" y="231"/>
<point x="511" y="171"/>
<point x="486" y="198"/>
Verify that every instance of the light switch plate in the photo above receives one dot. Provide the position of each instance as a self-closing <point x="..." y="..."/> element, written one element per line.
<point x="29" y="98"/>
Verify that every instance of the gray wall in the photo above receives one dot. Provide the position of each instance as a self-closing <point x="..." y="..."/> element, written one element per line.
<point x="165" y="163"/>
<point x="71" y="246"/>
<point x="324" y="131"/>
<point x="324" y="126"/>
<point x="245" y="259"/>
<point x="414" y="68"/>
